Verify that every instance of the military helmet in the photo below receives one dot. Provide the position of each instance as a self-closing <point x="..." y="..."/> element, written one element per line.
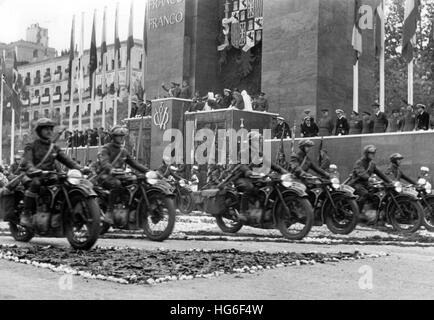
<point x="396" y="156"/>
<point x="306" y="143"/>
<point x="369" y="149"/>
<point x="119" y="131"/>
<point x="44" y="122"/>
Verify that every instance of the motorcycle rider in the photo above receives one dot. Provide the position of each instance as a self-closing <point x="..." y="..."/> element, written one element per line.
<point x="115" y="156"/>
<point x="247" y="174"/>
<point x="41" y="154"/>
<point x="14" y="169"/>
<point x="300" y="163"/>
<point x="363" y="170"/>
<point x="395" y="172"/>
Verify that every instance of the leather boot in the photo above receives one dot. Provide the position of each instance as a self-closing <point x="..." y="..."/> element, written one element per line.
<point x="29" y="211"/>
<point x="109" y="216"/>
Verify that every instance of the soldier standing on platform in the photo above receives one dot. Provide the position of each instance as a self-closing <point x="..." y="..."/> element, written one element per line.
<point x="380" y="119"/>
<point x="281" y="129"/>
<point x="409" y="122"/>
<point x="342" y="126"/>
<point x="367" y="123"/>
<point x="325" y="124"/>
<point x="356" y="125"/>
<point x="422" y="119"/>
<point x="238" y="101"/>
<point x="309" y="128"/>
<point x="185" y="90"/>
<point x="395" y="124"/>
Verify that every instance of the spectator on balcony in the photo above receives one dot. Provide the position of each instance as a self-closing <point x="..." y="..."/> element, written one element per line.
<point x="197" y="104"/>
<point x="81" y="139"/>
<point x="409" y="121"/>
<point x="342" y="126"/>
<point x="380" y="119"/>
<point x="325" y="124"/>
<point x="356" y="124"/>
<point x="219" y="103"/>
<point x="309" y="128"/>
<point x="227" y="98"/>
<point x="237" y="100"/>
<point x="210" y="102"/>
<point x="261" y="103"/>
<point x="248" y="105"/>
<point x="422" y="119"/>
<point x="185" y="90"/>
<point x="395" y="123"/>
<point x="174" y="91"/>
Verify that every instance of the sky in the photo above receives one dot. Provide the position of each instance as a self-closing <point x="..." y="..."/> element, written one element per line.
<point x="56" y="15"/>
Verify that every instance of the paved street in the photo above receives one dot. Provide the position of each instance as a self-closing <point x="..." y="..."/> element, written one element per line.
<point x="404" y="274"/>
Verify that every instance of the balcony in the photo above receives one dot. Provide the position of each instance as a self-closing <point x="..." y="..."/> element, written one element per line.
<point x="27" y="81"/>
<point x="25" y="102"/>
<point x="37" y="80"/>
<point x="57" y="97"/>
<point x="36" y="101"/>
<point x="47" y="78"/>
<point x="58" y="76"/>
<point x="46" y="99"/>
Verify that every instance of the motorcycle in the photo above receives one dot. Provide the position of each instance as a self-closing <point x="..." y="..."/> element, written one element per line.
<point x="334" y="204"/>
<point x="145" y="202"/>
<point x="281" y="203"/>
<point x="394" y="204"/>
<point x="67" y="207"/>
<point x="424" y="189"/>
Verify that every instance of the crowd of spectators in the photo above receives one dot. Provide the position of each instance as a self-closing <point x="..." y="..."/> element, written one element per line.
<point x="89" y="137"/>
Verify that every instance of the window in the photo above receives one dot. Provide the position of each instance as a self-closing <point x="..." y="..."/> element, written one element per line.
<point x="36" y="115"/>
<point x="47" y="92"/>
<point x="35" y="53"/>
<point x="36" y="93"/>
<point x="58" y="90"/>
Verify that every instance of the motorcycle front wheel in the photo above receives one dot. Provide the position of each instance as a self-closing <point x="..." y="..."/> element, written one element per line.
<point x="297" y="223"/>
<point x="20" y="233"/>
<point x="428" y="208"/>
<point x="159" y="218"/>
<point x="408" y="218"/>
<point x="344" y="217"/>
<point x="228" y="223"/>
<point x="82" y="223"/>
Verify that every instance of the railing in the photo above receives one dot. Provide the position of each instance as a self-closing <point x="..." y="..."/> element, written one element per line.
<point x="25" y="102"/>
<point x="27" y="81"/>
<point x="36" y="101"/>
<point x="57" y="97"/>
<point x="37" y="80"/>
<point x="46" y="99"/>
<point x="47" y="78"/>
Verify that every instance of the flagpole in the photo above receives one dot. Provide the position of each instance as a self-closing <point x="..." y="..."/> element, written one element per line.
<point x="92" y="99"/>
<point x="356" y="87"/>
<point x="12" y="134"/>
<point x="410" y="82"/>
<point x="382" y="66"/>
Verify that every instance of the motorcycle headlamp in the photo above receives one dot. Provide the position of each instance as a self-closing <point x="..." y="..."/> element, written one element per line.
<point x="336" y="183"/>
<point x="398" y="187"/>
<point x="287" y="180"/>
<point x="74" y="177"/>
<point x="152" y="178"/>
<point x="421" y="182"/>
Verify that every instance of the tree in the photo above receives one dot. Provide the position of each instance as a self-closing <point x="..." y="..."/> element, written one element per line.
<point x="396" y="67"/>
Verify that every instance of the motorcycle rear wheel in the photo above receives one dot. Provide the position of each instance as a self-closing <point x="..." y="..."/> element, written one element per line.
<point x="82" y="229"/>
<point x="301" y="213"/>
<point x="185" y="202"/>
<point x="428" y="219"/>
<point x="224" y="222"/>
<point x="162" y="209"/>
<point x="414" y="214"/>
<point x="343" y="220"/>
